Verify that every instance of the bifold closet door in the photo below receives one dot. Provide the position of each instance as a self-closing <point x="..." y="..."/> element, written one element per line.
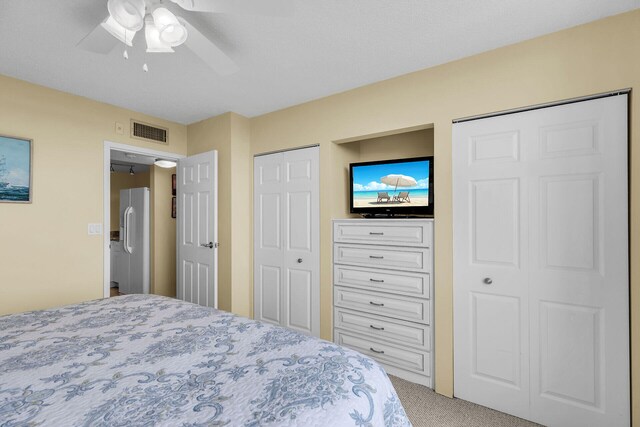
<point x="287" y="239"/>
<point x="541" y="285"/>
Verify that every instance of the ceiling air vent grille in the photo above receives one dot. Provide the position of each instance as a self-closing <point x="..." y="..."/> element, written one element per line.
<point x="149" y="133"/>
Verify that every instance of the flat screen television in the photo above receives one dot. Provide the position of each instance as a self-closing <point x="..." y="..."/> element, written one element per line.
<point x="392" y="187"/>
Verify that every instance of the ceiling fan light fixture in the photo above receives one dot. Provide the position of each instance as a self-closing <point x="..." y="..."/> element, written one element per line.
<point x="128" y="13"/>
<point x="171" y="31"/>
<point x="152" y="36"/>
<point x="165" y="163"/>
<point x="118" y="31"/>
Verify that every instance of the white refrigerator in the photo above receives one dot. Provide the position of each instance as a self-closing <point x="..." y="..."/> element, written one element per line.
<point x="133" y="262"/>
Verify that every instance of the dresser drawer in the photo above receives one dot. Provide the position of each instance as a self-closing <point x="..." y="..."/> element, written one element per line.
<point x="382" y="328"/>
<point x="402" y="258"/>
<point x="411" y="284"/>
<point x="404" y="308"/>
<point x="385" y="232"/>
<point x="412" y="360"/>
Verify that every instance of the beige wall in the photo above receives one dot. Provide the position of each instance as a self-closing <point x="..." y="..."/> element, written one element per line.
<point x="589" y="59"/>
<point x="241" y="213"/>
<point x="229" y="135"/>
<point x="48" y="259"/>
<point x="215" y="134"/>
<point x="120" y="181"/>
<point x="163" y="233"/>
<point x="415" y="143"/>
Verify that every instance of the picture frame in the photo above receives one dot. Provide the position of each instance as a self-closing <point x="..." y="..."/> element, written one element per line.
<point x="173" y="207"/>
<point x="173" y="184"/>
<point x="16" y="174"/>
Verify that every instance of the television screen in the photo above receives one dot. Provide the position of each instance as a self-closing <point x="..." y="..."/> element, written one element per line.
<point x="403" y="186"/>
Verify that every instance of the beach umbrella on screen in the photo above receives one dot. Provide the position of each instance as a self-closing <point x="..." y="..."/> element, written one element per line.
<point x="399" y="181"/>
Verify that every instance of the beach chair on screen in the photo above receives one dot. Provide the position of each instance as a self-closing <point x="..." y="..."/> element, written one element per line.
<point x="383" y="195"/>
<point x="402" y="196"/>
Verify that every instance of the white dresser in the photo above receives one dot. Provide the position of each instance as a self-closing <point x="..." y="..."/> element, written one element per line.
<point x="383" y="293"/>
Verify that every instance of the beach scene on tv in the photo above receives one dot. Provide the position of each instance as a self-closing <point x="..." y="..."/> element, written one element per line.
<point x="391" y="184"/>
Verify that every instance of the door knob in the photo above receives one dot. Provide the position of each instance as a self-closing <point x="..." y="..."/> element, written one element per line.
<point x="207" y="245"/>
<point x="487" y="281"/>
<point x="299" y="260"/>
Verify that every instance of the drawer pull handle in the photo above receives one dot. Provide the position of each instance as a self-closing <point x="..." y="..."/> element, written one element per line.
<point x="376" y="234"/>
<point x="376" y="257"/>
<point x="376" y="328"/>
<point x="377" y="281"/>
<point x="376" y="351"/>
<point x="376" y="304"/>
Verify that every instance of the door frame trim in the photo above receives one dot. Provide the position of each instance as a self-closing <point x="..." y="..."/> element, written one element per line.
<point x="284" y="150"/>
<point x="625" y="91"/>
<point x="106" y="199"/>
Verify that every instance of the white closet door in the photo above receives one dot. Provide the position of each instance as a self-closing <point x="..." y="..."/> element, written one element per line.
<point x="491" y="315"/>
<point x="543" y="193"/>
<point x="301" y="230"/>
<point x="287" y="240"/>
<point x="268" y="189"/>
<point x="579" y="283"/>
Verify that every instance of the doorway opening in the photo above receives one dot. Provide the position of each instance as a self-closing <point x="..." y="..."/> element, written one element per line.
<point x="140" y="224"/>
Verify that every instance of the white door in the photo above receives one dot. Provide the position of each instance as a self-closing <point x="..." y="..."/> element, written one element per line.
<point x="197" y="233"/>
<point x="541" y="315"/>
<point x="287" y="239"/>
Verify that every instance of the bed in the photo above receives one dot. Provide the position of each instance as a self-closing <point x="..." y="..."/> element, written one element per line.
<point x="143" y="360"/>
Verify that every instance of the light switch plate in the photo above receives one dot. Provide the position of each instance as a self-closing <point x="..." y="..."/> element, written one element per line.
<point x="94" y="229"/>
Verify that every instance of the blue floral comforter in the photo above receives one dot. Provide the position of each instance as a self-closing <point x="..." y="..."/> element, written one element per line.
<point x="144" y="360"/>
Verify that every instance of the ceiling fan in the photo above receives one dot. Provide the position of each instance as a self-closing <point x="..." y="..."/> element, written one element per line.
<point x="163" y="30"/>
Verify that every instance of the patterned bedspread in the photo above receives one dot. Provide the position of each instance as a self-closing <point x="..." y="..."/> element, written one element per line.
<point x="144" y="360"/>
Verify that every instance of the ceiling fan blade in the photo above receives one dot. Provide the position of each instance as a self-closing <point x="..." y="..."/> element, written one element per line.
<point x="211" y="54"/>
<point x="98" y="41"/>
<point x="240" y="7"/>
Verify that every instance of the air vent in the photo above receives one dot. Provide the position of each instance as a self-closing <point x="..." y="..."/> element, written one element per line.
<point x="149" y="133"/>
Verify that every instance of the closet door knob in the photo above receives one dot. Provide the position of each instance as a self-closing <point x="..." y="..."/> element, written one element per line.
<point x="299" y="260"/>
<point x="487" y="281"/>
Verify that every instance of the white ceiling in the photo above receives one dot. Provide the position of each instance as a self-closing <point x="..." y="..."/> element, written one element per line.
<point x="325" y="47"/>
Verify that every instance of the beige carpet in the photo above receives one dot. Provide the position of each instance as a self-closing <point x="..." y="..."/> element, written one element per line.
<point x="427" y="408"/>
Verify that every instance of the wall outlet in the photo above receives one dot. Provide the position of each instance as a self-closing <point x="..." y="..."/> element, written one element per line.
<point x="119" y="128"/>
<point x="94" y="229"/>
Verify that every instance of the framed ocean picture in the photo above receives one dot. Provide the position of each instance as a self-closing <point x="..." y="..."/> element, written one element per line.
<point x="15" y="170"/>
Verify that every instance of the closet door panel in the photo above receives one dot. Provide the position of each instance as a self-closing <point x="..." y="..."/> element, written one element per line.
<point x="491" y="334"/>
<point x="578" y="283"/>
<point x="541" y="241"/>
<point x="301" y="229"/>
<point x="268" y="269"/>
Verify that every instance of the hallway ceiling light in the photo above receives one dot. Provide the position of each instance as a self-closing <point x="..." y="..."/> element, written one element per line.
<point x="131" y="172"/>
<point x="165" y="163"/>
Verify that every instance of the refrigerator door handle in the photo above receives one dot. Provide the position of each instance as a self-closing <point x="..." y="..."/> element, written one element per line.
<point x="127" y="226"/>
<point x="125" y="229"/>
